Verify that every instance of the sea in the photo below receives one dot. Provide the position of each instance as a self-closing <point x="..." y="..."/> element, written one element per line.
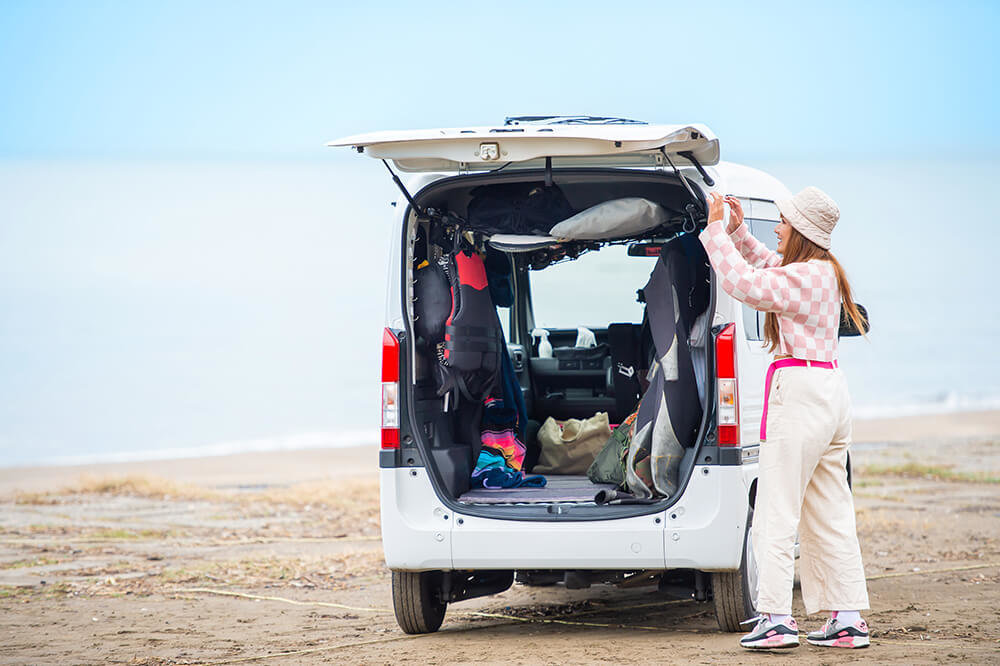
<point x="153" y="310"/>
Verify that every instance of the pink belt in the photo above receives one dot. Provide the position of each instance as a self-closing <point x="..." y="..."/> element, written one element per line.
<point x="785" y="363"/>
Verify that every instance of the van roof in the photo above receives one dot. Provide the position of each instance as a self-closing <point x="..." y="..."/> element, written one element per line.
<point x="745" y="181"/>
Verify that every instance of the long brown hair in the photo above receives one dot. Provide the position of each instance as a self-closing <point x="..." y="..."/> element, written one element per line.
<point x="800" y="248"/>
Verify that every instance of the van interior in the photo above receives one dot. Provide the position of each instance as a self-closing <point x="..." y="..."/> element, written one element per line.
<point x="594" y="284"/>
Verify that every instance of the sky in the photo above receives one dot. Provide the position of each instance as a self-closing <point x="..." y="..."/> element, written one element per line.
<point x="275" y="80"/>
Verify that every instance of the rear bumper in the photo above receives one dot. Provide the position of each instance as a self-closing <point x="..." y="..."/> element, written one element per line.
<point x="703" y="530"/>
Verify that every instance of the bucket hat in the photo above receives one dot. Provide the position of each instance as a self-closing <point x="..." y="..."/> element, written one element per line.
<point x="813" y="214"/>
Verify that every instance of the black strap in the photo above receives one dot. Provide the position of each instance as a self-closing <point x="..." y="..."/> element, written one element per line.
<point x="484" y="345"/>
<point x="460" y="381"/>
<point x="469" y="331"/>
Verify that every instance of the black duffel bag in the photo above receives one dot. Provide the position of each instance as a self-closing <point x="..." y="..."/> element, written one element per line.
<point x="517" y="208"/>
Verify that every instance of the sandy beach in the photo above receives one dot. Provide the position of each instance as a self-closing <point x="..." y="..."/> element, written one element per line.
<point x="275" y="558"/>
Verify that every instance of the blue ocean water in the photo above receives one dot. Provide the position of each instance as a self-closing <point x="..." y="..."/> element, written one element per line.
<point x="165" y="309"/>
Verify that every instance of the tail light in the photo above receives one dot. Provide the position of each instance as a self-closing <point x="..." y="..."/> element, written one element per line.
<point x="390" y="390"/>
<point x="727" y="409"/>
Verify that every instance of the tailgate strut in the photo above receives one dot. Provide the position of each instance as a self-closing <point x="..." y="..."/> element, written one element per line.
<point x="402" y="188"/>
<point x="689" y="156"/>
<point x="684" y="180"/>
<point x="696" y="202"/>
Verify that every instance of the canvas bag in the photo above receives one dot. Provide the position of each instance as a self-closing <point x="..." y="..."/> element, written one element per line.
<point x="569" y="447"/>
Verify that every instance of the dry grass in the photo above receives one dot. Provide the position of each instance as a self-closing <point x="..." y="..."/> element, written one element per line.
<point x="327" y="508"/>
<point x="327" y="572"/>
<point x="881" y="497"/>
<point x="334" y="509"/>
<point x="26" y="593"/>
<point x="150" y="487"/>
<point x="37" y="499"/>
<point x="144" y="578"/>
<point x="329" y="494"/>
<point x="118" y="534"/>
<point x="33" y="562"/>
<point x="347" y="495"/>
<point x="77" y="533"/>
<point x="879" y="520"/>
<point x="914" y="470"/>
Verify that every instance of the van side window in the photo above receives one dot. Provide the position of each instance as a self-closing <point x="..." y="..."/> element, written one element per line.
<point x="761" y="218"/>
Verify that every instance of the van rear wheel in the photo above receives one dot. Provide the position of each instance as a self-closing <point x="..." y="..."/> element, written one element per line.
<point x="734" y="591"/>
<point x="416" y="599"/>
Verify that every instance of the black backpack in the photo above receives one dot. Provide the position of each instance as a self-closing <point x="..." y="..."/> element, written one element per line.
<point x="517" y="208"/>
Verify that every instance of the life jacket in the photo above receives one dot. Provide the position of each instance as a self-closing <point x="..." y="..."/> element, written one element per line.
<point x="470" y="360"/>
<point x="431" y="302"/>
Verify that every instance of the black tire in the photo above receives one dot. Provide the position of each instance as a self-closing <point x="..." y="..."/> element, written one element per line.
<point x="732" y="590"/>
<point x="416" y="598"/>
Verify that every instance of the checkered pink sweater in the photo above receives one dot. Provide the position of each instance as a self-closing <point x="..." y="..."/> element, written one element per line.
<point x="805" y="295"/>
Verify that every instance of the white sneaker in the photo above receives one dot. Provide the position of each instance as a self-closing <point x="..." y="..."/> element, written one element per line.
<point x="836" y="634"/>
<point x="768" y="635"/>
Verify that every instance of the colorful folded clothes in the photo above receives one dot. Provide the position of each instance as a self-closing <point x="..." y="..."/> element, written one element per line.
<point x="492" y="472"/>
<point x="502" y="456"/>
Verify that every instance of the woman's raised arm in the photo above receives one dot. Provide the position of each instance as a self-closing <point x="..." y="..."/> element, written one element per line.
<point x="783" y="289"/>
<point x="756" y="253"/>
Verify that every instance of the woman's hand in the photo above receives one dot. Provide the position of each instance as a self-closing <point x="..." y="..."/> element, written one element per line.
<point x="735" y="214"/>
<point x="716" y="207"/>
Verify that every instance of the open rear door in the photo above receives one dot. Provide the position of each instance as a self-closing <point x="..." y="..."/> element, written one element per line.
<point x="485" y="148"/>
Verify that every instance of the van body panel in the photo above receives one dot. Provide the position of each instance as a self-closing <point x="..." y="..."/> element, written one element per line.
<point x="626" y="543"/>
<point x="744" y="181"/>
<point x="416" y="526"/>
<point x="472" y="148"/>
<point x="705" y="528"/>
<point x="752" y="361"/>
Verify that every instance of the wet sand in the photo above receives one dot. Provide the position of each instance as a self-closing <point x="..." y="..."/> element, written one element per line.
<point x="275" y="558"/>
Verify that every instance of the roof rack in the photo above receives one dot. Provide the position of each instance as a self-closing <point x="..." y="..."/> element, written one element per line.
<point x="570" y="120"/>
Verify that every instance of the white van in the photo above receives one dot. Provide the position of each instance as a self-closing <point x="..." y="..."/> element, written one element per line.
<point x="445" y="543"/>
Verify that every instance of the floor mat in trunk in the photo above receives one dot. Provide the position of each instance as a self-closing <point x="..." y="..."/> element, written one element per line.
<point x="557" y="489"/>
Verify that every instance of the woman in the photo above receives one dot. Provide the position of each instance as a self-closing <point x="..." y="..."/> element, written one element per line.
<point x="806" y="426"/>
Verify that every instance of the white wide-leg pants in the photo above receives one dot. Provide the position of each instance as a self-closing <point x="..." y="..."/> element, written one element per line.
<point x="802" y="487"/>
